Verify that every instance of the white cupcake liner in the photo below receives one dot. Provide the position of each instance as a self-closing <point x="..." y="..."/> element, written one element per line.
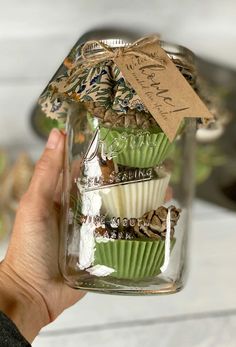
<point x="132" y="200"/>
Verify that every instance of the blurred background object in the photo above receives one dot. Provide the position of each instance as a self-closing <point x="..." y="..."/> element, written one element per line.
<point x="219" y="186"/>
<point x="14" y="181"/>
<point x="35" y="37"/>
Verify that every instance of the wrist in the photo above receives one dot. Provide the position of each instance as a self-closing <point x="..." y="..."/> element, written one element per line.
<point x="22" y="304"/>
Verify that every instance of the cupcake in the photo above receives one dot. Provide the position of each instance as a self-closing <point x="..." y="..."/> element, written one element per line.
<point x="135" y="147"/>
<point x="139" y="252"/>
<point x="131" y="200"/>
<point x="131" y="139"/>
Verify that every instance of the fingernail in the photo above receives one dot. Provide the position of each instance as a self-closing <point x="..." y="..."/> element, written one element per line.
<point x="53" y="139"/>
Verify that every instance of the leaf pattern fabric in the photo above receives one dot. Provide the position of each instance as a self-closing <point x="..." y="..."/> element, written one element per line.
<point x="102" y="83"/>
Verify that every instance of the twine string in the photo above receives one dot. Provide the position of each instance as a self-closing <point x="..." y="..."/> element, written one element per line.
<point x="107" y="52"/>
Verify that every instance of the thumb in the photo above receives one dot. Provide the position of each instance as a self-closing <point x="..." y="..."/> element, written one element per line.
<point x="48" y="168"/>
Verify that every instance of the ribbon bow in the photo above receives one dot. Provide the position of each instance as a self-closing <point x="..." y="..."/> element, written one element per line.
<point x="107" y="52"/>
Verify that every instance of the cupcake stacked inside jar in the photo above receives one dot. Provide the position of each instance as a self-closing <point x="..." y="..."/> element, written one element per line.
<point x="136" y="219"/>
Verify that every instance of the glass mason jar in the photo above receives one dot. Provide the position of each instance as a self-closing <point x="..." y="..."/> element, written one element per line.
<point x="127" y="194"/>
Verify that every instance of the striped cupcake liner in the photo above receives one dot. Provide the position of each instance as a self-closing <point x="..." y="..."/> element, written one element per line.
<point x="140" y="149"/>
<point x="132" y="259"/>
<point x="132" y="200"/>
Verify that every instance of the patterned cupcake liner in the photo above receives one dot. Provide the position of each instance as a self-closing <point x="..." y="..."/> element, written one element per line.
<point x="132" y="259"/>
<point x="132" y="200"/>
<point x="140" y="148"/>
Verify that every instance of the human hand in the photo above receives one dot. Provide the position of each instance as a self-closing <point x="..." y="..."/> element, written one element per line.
<point x="32" y="291"/>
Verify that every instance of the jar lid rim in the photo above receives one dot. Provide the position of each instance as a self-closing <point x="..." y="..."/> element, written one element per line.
<point x="174" y="51"/>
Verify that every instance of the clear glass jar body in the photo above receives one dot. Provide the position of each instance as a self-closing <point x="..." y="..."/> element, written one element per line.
<point x="126" y="197"/>
<point x="125" y="215"/>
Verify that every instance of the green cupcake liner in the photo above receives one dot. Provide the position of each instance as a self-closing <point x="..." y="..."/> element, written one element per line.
<point x="138" y="148"/>
<point x="132" y="259"/>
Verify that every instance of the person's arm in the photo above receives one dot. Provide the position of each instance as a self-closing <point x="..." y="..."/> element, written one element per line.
<point x="32" y="291"/>
<point x="22" y="305"/>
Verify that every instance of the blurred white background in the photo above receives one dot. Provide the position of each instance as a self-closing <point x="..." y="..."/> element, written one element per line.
<point x="35" y="36"/>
